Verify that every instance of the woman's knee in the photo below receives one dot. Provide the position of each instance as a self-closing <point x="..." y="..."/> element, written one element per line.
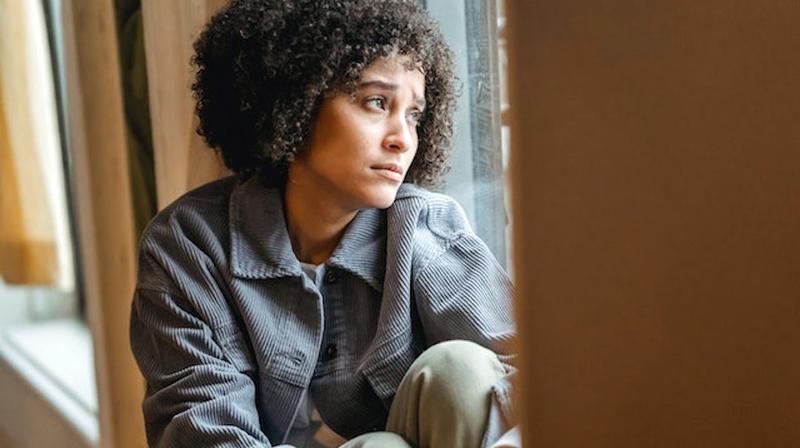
<point x="377" y="440"/>
<point x="460" y="364"/>
<point x="457" y="354"/>
<point x="445" y="397"/>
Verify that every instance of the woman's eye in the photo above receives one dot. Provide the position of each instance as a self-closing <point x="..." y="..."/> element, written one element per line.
<point x="415" y="116"/>
<point x="380" y="103"/>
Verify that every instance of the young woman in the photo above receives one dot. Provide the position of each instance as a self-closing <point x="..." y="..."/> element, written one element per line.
<point x="320" y="296"/>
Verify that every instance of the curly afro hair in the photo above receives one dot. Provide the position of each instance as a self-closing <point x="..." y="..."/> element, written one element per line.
<point x="265" y="66"/>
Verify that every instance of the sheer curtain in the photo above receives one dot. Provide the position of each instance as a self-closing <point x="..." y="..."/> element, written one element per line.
<point x="35" y="246"/>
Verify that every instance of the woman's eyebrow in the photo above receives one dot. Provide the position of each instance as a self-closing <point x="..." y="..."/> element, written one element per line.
<point x="379" y="84"/>
<point x="383" y="85"/>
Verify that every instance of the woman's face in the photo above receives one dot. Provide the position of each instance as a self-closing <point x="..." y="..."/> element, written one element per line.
<point x="361" y="146"/>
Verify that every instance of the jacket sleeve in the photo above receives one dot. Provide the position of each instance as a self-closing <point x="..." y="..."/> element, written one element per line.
<point x="464" y="293"/>
<point x="195" y="396"/>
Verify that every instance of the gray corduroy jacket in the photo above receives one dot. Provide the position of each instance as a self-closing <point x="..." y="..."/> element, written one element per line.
<point x="227" y="336"/>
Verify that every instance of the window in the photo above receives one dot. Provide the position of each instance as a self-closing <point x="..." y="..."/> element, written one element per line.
<point x="46" y="365"/>
<point x="477" y="177"/>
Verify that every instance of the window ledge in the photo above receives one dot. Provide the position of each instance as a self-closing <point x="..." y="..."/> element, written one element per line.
<point x="48" y="383"/>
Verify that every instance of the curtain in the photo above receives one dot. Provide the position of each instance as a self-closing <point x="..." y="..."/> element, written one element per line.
<point x="35" y="246"/>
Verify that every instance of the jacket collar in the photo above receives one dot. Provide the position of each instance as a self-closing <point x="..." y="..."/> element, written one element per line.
<point x="261" y="248"/>
<point x="362" y="250"/>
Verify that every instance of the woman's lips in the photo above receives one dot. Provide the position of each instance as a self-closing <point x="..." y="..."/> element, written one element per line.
<point x="391" y="171"/>
<point x="389" y="174"/>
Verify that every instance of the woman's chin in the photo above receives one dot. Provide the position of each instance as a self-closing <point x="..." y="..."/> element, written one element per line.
<point x="380" y="198"/>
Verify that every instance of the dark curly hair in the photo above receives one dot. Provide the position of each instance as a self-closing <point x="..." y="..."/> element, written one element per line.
<point x="265" y="66"/>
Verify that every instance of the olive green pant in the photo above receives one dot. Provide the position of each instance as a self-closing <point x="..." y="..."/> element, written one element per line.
<point x="442" y="402"/>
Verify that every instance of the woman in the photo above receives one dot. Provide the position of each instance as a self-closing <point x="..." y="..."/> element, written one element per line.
<point x="320" y="296"/>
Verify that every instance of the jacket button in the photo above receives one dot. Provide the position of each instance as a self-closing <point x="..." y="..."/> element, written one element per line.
<point x="331" y="276"/>
<point x="331" y="351"/>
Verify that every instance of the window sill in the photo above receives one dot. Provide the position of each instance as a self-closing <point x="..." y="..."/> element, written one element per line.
<point x="48" y="383"/>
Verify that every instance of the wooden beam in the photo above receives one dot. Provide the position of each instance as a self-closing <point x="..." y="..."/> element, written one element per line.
<point x="105" y="215"/>
<point x="182" y="160"/>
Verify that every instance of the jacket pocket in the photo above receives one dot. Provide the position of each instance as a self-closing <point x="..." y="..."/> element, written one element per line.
<point x="289" y="367"/>
<point x="236" y="348"/>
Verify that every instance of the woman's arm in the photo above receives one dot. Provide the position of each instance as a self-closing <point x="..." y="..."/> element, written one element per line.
<point x="464" y="293"/>
<point x="195" y="396"/>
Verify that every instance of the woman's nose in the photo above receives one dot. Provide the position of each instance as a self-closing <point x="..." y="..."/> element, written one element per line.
<point x="399" y="135"/>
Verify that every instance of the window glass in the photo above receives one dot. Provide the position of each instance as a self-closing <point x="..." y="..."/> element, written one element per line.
<point x="477" y="180"/>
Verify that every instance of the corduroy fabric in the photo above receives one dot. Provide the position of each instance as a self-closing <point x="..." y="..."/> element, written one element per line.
<point x="227" y="330"/>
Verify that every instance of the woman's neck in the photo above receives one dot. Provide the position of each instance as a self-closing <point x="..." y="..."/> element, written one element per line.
<point x="314" y="220"/>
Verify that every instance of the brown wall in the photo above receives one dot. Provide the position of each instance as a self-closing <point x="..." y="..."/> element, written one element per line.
<point x="656" y="152"/>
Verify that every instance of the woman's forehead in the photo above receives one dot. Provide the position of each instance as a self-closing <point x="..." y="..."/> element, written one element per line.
<point x="395" y="68"/>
